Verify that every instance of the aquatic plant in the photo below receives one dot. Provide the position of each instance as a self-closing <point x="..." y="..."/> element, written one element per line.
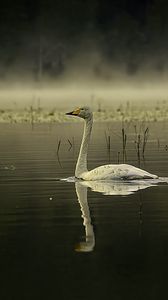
<point x="124" y="112"/>
<point x="140" y="141"/>
<point x="58" y="146"/>
<point x="145" y="139"/>
<point x="124" y="143"/>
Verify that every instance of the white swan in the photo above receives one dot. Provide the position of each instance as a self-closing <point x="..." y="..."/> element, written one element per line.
<point x="105" y="172"/>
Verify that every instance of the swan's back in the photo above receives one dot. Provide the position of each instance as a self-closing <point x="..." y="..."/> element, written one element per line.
<point x="122" y="171"/>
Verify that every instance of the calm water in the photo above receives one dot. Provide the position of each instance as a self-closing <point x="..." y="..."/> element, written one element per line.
<point x="62" y="240"/>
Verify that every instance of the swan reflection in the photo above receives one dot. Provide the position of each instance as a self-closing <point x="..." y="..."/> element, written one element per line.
<point x="120" y="188"/>
<point x="89" y="243"/>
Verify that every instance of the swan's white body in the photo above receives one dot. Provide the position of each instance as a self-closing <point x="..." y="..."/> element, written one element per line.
<point x="105" y="172"/>
<point x="121" y="171"/>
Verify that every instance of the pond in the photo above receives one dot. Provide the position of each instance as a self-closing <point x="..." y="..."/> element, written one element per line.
<point x="65" y="239"/>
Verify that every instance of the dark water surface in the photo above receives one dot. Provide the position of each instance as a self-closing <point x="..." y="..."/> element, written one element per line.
<point x="46" y="252"/>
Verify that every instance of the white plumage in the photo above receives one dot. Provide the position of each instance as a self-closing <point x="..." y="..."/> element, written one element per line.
<point x="121" y="171"/>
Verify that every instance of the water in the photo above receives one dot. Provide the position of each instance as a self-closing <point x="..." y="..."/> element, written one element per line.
<point x="117" y="249"/>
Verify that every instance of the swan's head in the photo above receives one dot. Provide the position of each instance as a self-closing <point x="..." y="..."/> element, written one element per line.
<point x="82" y="112"/>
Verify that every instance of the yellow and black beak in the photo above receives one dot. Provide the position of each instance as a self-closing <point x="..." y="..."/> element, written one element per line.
<point x="75" y="112"/>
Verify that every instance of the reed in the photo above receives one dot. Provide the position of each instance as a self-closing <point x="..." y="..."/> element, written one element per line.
<point x="108" y="141"/>
<point x="57" y="152"/>
<point x="124" y="143"/>
<point x="58" y="146"/>
<point x="70" y="145"/>
<point x="158" y="143"/>
<point x="145" y="139"/>
<point x="138" y="148"/>
<point x="118" y="157"/>
<point x="141" y="139"/>
<point x="137" y="143"/>
<point x="32" y="116"/>
<point x="108" y="144"/>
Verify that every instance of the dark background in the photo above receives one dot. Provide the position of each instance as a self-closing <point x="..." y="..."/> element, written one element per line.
<point x="42" y="39"/>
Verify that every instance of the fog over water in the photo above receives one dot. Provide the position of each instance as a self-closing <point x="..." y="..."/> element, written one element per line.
<point x="87" y="78"/>
<point x="63" y="95"/>
<point x="67" y="53"/>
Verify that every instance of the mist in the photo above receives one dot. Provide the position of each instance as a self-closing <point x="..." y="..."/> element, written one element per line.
<point x="71" y="53"/>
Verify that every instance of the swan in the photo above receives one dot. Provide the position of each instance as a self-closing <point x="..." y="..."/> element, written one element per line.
<point x="105" y="172"/>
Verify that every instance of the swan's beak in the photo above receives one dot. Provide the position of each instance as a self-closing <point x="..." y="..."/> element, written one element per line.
<point x="69" y="113"/>
<point x="74" y="112"/>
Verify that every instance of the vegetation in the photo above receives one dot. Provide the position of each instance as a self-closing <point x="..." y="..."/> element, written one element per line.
<point x="124" y="113"/>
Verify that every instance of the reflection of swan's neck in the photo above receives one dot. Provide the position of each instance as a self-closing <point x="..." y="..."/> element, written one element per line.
<point x="81" y="165"/>
<point x="89" y="243"/>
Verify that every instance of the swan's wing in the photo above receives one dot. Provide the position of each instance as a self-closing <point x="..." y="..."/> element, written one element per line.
<point x="121" y="171"/>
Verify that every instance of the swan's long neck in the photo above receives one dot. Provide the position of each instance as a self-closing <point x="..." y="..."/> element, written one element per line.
<point x="81" y="165"/>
